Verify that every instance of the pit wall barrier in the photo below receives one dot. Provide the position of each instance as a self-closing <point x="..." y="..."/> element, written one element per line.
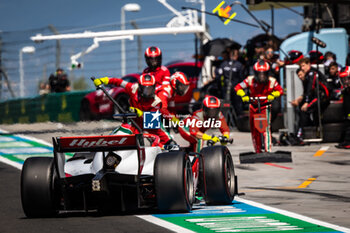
<point x="55" y="107"/>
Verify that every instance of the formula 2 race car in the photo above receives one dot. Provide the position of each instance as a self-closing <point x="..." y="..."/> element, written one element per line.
<point x="119" y="173"/>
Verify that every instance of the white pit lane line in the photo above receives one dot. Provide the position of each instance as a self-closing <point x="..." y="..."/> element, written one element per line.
<point x="293" y="215"/>
<point x="11" y="163"/>
<point x="18" y="165"/>
<point x="163" y="223"/>
<point x="176" y="228"/>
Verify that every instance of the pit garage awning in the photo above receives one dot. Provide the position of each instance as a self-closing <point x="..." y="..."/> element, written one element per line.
<point x="256" y="5"/>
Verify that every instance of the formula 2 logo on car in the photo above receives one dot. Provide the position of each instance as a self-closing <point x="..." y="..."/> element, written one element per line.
<point x="99" y="142"/>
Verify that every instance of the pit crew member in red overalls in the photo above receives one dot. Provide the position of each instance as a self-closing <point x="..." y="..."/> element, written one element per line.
<point x="153" y="57"/>
<point x="260" y="84"/>
<point x="210" y="111"/>
<point x="142" y="98"/>
<point x="179" y="85"/>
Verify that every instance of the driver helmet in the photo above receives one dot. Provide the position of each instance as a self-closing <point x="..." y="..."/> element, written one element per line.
<point x="211" y="107"/>
<point x="179" y="83"/>
<point x="147" y="86"/>
<point x="153" y="57"/>
<point x="261" y="69"/>
<point x="295" y="56"/>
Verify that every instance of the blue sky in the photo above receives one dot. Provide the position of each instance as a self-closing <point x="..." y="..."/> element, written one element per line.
<point x="80" y="15"/>
<point x="21" y="14"/>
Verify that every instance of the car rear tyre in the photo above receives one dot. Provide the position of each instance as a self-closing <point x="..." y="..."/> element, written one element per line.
<point x="219" y="175"/>
<point x="174" y="182"/>
<point x="38" y="188"/>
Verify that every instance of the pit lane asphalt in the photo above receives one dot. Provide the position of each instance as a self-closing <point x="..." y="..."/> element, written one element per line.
<point x="327" y="198"/>
<point x="12" y="218"/>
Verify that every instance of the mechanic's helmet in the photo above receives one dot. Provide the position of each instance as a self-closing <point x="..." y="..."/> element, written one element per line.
<point x="261" y="70"/>
<point x="153" y="57"/>
<point x="211" y="107"/>
<point x="179" y="83"/>
<point x="316" y="57"/>
<point x="147" y="86"/>
<point x="294" y="56"/>
<point x="345" y="77"/>
<point x="347" y="68"/>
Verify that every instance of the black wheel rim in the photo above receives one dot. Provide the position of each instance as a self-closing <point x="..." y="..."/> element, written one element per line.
<point x="189" y="189"/>
<point x="229" y="176"/>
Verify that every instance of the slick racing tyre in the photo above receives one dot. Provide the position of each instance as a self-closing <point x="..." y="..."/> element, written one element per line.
<point x="332" y="132"/>
<point x="173" y="182"/>
<point x="334" y="113"/>
<point x="219" y="175"/>
<point x="37" y="188"/>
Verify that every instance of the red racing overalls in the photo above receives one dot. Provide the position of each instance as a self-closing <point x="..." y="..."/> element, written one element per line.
<point x="167" y="94"/>
<point x="148" y="105"/>
<point x="189" y="133"/>
<point x="258" y="90"/>
<point x="161" y="74"/>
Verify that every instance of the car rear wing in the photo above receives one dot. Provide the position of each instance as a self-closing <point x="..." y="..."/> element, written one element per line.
<point x="104" y="143"/>
<point x="98" y="143"/>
